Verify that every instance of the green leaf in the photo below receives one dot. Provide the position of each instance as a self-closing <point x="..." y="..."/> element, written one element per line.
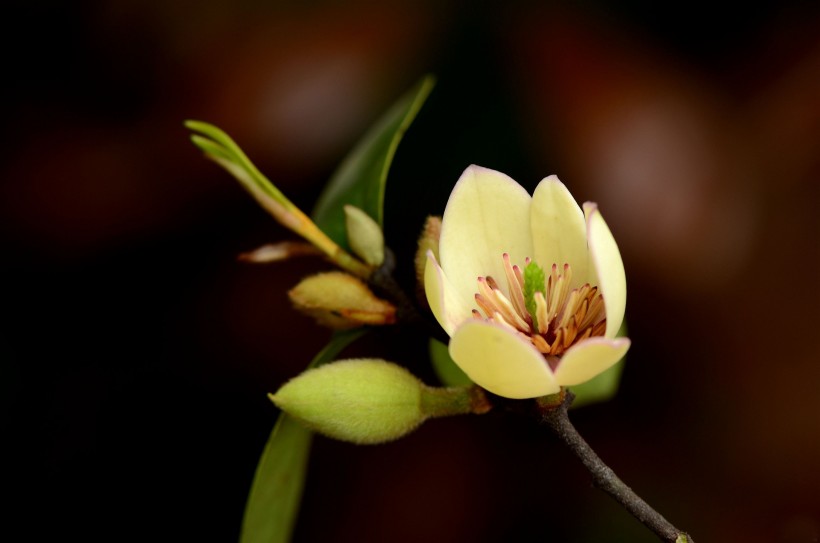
<point x="277" y="485"/>
<point x="446" y="369"/>
<point x="219" y="147"/>
<point x="273" y="502"/>
<point x="604" y="386"/>
<point x="534" y="281"/>
<point x="360" y="179"/>
<point x="599" y="389"/>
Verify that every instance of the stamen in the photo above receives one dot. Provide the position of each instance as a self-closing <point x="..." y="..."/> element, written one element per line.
<point x="499" y="318"/>
<point x="506" y="309"/>
<point x="558" y="343"/>
<point x="516" y="288"/>
<point x="596" y="309"/>
<point x="585" y="334"/>
<point x="495" y="301"/>
<point x="541" y="312"/>
<point x="562" y="317"/>
<point x="541" y="343"/>
<point x="485" y="290"/>
<point x="554" y="298"/>
<point x="484" y="305"/>
<point x="518" y="274"/>
<point x="492" y="282"/>
<point x="568" y="309"/>
<point x="551" y="281"/>
<point x="571" y="330"/>
<point x="582" y="311"/>
<point x="565" y="280"/>
<point x="567" y="272"/>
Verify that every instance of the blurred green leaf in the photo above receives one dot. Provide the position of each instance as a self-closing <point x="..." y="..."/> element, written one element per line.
<point x="601" y="388"/>
<point x="273" y="502"/>
<point x="446" y="370"/>
<point x="604" y="386"/>
<point x="360" y="179"/>
<point x="277" y="486"/>
<point x="219" y="147"/>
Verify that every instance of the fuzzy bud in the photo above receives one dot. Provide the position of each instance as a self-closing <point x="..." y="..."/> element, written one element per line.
<point x="364" y="235"/>
<point x="428" y="241"/>
<point x="339" y="300"/>
<point x="363" y="401"/>
<point x="369" y="400"/>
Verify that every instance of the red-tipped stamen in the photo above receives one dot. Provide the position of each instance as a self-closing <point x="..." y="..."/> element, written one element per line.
<point x="563" y="316"/>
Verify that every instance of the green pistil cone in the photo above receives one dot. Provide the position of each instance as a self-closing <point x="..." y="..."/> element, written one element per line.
<point x="534" y="281"/>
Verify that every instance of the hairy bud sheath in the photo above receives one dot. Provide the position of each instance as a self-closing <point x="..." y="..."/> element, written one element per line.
<point x="339" y="300"/>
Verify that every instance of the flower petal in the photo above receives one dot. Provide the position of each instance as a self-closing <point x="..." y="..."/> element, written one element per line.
<point x="501" y="361"/>
<point x="487" y="215"/>
<point x="588" y="358"/>
<point x="609" y="267"/>
<point x="559" y="233"/>
<point x="448" y="307"/>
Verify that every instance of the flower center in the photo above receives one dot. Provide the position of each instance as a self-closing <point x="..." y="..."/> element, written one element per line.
<point x="550" y="315"/>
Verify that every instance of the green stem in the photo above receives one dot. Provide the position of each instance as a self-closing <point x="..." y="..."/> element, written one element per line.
<point x="604" y="478"/>
<point x="445" y="402"/>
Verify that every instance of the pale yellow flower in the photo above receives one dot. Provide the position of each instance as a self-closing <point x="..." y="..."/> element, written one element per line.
<point x="490" y="231"/>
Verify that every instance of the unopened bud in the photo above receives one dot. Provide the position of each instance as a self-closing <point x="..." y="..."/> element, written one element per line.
<point x="364" y="236"/>
<point x="370" y="401"/>
<point x="364" y="401"/>
<point x="428" y="241"/>
<point x="339" y="300"/>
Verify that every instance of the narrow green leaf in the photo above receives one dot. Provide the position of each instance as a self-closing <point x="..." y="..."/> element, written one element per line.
<point x="604" y="386"/>
<point x="211" y="148"/>
<point x="534" y="281"/>
<point x="446" y="369"/>
<point x="219" y="146"/>
<point x="273" y="502"/>
<point x="360" y="179"/>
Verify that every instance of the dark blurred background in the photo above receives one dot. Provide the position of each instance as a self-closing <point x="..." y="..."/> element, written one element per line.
<point x="135" y="351"/>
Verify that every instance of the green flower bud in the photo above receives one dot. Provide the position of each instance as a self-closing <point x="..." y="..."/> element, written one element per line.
<point x="339" y="300"/>
<point x="370" y="401"/>
<point x="364" y="235"/>
<point x="364" y="401"/>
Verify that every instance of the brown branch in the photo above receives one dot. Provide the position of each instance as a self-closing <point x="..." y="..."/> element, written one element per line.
<point x="603" y="477"/>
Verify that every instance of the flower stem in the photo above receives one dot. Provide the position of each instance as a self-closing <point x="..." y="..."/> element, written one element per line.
<point x="445" y="402"/>
<point x="603" y="477"/>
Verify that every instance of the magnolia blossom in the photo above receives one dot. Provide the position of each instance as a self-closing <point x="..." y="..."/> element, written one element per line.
<point x="531" y="290"/>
